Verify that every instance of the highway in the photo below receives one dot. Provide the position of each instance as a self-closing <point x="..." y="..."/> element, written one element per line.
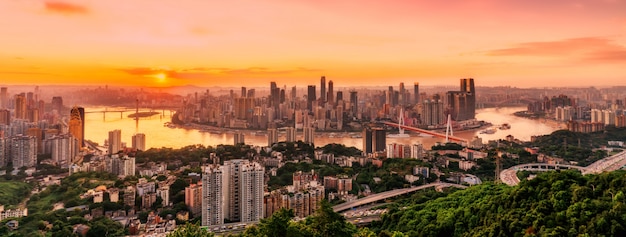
<point x="389" y="194"/>
<point x="611" y="163"/>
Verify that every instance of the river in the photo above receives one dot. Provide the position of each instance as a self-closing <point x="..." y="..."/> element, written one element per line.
<point x="97" y="127"/>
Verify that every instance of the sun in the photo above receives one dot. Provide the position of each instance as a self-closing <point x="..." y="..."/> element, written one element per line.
<point x="161" y="77"/>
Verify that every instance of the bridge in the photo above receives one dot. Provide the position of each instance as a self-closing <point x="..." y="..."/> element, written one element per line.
<point x="389" y="194"/>
<point x="126" y="110"/>
<point x="611" y="163"/>
<point x="429" y="132"/>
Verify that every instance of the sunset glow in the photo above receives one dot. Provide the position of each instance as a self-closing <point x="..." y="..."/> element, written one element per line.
<point x="227" y="43"/>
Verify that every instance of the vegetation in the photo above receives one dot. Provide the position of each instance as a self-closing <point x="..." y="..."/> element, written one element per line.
<point x="578" y="147"/>
<point x="13" y="192"/>
<point x="553" y="204"/>
<point x="324" y="223"/>
<point x="190" y="230"/>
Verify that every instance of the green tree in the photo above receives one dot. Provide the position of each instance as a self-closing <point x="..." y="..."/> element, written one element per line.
<point x="327" y="222"/>
<point x="190" y="230"/>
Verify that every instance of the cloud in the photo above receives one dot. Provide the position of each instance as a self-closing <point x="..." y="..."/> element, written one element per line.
<point x="207" y="73"/>
<point x="65" y="8"/>
<point x="585" y="49"/>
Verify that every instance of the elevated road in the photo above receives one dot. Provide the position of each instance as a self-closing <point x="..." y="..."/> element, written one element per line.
<point x="389" y="194"/>
<point x="611" y="163"/>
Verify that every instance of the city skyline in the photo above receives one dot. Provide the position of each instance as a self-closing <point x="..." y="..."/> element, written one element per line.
<point x="514" y="43"/>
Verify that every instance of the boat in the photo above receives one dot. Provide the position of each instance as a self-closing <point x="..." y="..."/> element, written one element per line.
<point x="488" y="131"/>
<point x="505" y="126"/>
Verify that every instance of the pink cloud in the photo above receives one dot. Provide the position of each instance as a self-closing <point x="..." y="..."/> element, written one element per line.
<point x="65" y="8"/>
<point x="586" y="49"/>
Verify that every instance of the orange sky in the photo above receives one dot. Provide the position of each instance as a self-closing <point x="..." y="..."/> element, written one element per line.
<point x="352" y="42"/>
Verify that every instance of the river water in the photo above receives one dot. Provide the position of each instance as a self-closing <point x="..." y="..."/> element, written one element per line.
<point x="97" y="127"/>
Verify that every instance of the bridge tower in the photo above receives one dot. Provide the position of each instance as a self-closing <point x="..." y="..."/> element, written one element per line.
<point x="449" y="129"/>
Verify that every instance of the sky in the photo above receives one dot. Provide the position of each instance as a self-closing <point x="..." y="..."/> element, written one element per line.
<point x="523" y="43"/>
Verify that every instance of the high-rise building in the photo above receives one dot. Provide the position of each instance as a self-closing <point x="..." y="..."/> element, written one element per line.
<point x="243" y="187"/>
<point x="23" y="151"/>
<point x="63" y="149"/>
<point x="193" y="199"/>
<point x="330" y="97"/>
<point x="139" y="141"/>
<point x="291" y="134"/>
<point x="323" y="89"/>
<point x="339" y="96"/>
<point x="374" y="140"/>
<point x="164" y="193"/>
<point x="309" y="135"/>
<point x="4" y="98"/>
<point x="311" y="97"/>
<point x="212" y="196"/>
<point x="57" y="103"/>
<point x="4" y="150"/>
<point x="432" y="112"/>
<point x="272" y="136"/>
<point x="416" y="93"/>
<point x="76" y="124"/>
<point x="239" y="138"/>
<point x="20" y="106"/>
<point x="115" y="141"/>
<point x="244" y="93"/>
<point x="5" y="117"/>
<point x="354" y="103"/>
<point x="462" y="104"/>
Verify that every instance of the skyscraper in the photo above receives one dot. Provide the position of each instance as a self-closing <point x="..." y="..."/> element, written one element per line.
<point x="323" y="89"/>
<point x="20" y="106"/>
<point x="309" y="135"/>
<point x="291" y="134"/>
<point x="354" y="103"/>
<point x="76" y="126"/>
<point x="330" y="97"/>
<point x="310" y="97"/>
<point x="374" y="140"/>
<point x="115" y="141"/>
<point x="5" y="117"/>
<point x="4" y="98"/>
<point x="416" y="93"/>
<point x="462" y="104"/>
<point x="139" y="141"/>
<point x="57" y="103"/>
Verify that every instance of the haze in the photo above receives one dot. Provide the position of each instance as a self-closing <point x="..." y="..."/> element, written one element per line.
<point x="364" y="42"/>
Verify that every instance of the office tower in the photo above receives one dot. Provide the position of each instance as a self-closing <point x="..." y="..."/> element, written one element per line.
<point x="139" y="142"/>
<point x="323" y="89"/>
<point x="115" y="141"/>
<point x="239" y="138"/>
<point x="243" y="189"/>
<point x="76" y="127"/>
<point x="402" y="94"/>
<point x="5" y="117"/>
<point x="193" y="198"/>
<point x="416" y="93"/>
<point x="272" y="136"/>
<point x="339" y="96"/>
<point x="4" y="98"/>
<point x="374" y="140"/>
<point x="57" y="103"/>
<point x="310" y="97"/>
<point x="462" y="104"/>
<point x="23" y="151"/>
<point x="291" y="134"/>
<point x="309" y="135"/>
<point x="244" y="93"/>
<point x="251" y="93"/>
<point x="20" y="106"/>
<point x="354" y="103"/>
<point x="330" y="97"/>
<point x="212" y="202"/>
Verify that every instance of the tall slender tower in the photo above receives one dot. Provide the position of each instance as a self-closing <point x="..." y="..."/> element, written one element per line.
<point x="323" y="89"/>
<point x="416" y="93"/>
<point x="330" y="97"/>
<point x="76" y="125"/>
<point x="3" y="98"/>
